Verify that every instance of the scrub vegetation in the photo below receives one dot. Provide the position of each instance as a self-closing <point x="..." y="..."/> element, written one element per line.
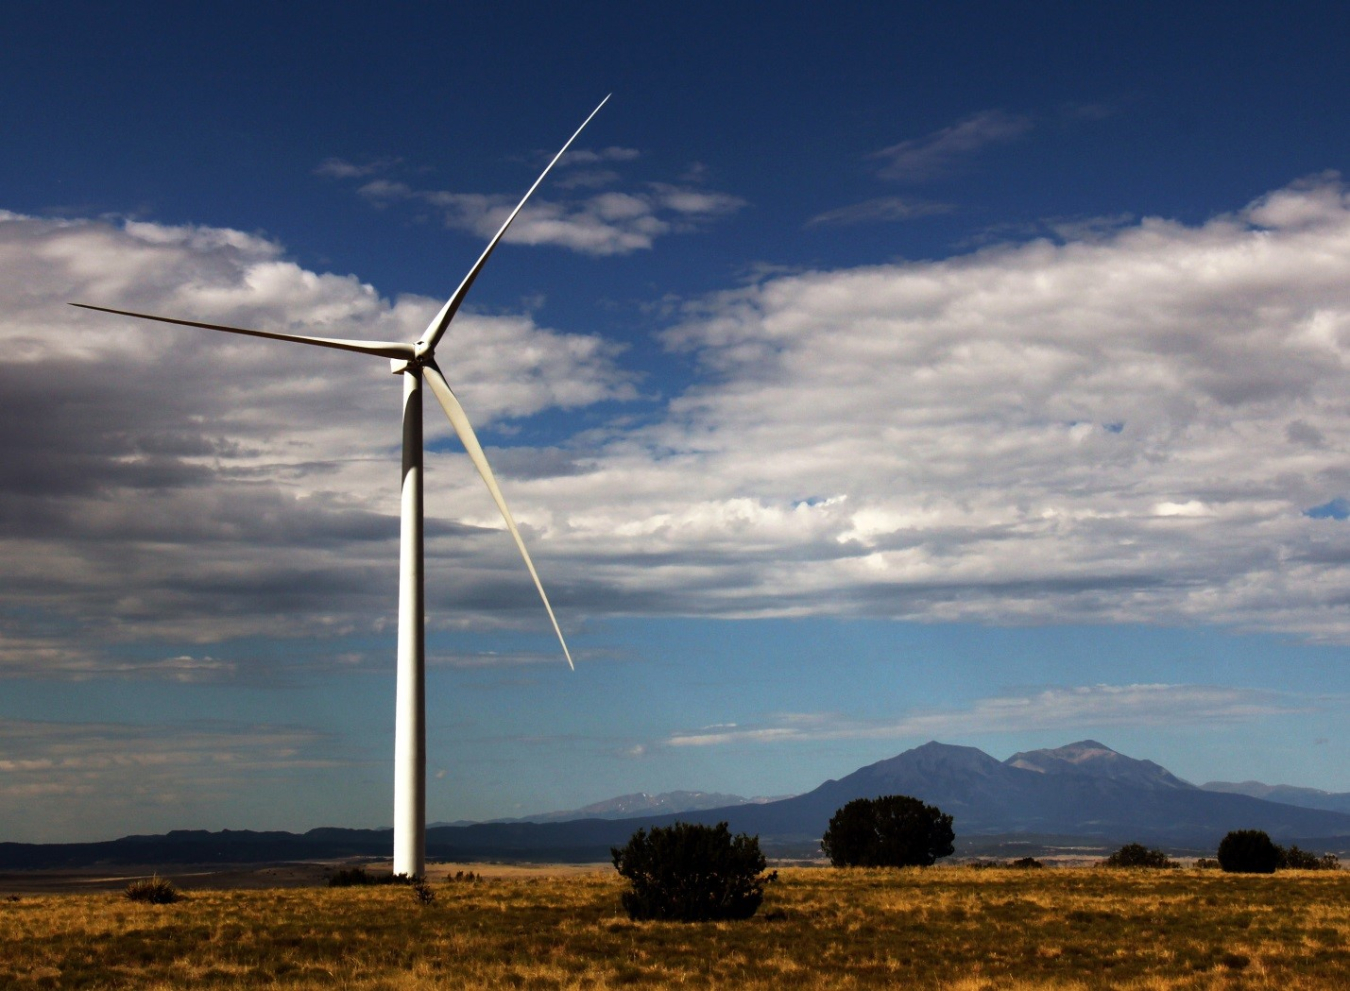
<point x="690" y="872"/>
<point x="946" y="928"/>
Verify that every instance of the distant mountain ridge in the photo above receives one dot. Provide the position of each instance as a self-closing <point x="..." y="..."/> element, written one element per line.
<point x="641" y="803"/>
<point x="1084" y="792"/>
<point x="1307" y="798"/>
<point x="628" y="806"/>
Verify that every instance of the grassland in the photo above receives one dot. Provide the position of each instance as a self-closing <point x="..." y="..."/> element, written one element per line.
<point x="944" y="928"/>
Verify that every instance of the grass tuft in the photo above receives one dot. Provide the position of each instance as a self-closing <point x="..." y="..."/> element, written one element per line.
<point x="154" y="890"/>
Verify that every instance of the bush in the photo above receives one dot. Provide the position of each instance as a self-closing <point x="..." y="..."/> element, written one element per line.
<point x="690" y="873"/>
<point x="154" y="890"/>
<point x="1137" y="855"/>
<point x="350" y="877"/>
<point x="357" y="876"/>
<point x="1027" y="863"/>
<point x="422" y="891"/>
<point x="1207" y="864"/>
<point x="1248" y="851"/>
<point x="891" y="831"/>
<point x="1301" y="860"/>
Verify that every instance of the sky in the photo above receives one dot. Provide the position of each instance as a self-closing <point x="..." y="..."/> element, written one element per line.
<point x="976" y="372"/>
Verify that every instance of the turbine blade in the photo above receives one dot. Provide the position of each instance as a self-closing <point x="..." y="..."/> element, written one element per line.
<point x="436" y="329"/>
<point x="381" y="348"/>
<point x="469" y="439"/>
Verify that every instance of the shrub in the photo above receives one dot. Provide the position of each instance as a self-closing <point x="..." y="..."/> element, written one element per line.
<point x="350" y="877"/>
<point x="891" y="831"/>
<point x="1137" y="855"/>
<point x="357" y="876"/>
<point x="1301" y="860"/>
<point x="690" y="873"/>
<point x="1207" y="864"/>
<point x="1027" y="863"/>
<point x="154" y="890"/>
<point x="1248" y="851"/>
<point x="422" y="891"/>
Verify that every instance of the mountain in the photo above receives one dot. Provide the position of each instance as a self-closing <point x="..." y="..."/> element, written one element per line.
<point x="629" y="806"/>
<point x="641" y="803"/>
<point x="1084" y="790"/>
<point x="1083" y="793"/>
<point x="1307" y="798"/>
<point x="1093" y="759"/>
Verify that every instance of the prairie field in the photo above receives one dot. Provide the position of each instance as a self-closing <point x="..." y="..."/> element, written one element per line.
<point x="953" y="928"/>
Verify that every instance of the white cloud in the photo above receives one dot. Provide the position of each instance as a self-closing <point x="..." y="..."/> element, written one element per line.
<point x="606" y="221"/>
<point x="1096" y="430"/>
<point x="880" y="210"/>
<point x="939" y="152"/>
<point x="1068" y="708"/>
<point x="593" y="156"/>
<point x="338" y="168"/>
<point x="182" y="487"/>
<point x="1126" y="427"/>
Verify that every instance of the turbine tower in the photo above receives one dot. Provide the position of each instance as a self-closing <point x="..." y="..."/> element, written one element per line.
<point x="415" y="363"/>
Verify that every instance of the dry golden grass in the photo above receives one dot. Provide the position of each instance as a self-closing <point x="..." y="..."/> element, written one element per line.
<point x="948" y="928"/>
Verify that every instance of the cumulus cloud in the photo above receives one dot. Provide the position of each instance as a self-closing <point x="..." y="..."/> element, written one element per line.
<point x="1144" y="423"/>
<point x="164" y="485"/>
<point x="1068" y="708"/>
<point x="1093" y="430"/>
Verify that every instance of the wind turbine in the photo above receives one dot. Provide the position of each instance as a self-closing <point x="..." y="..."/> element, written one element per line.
<point x="416" y="362"/>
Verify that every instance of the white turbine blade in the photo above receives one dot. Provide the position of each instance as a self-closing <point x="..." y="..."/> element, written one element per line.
<point x="437" y="327"/>
<point x="460" y="421"/>
<point x="381" y="348"/>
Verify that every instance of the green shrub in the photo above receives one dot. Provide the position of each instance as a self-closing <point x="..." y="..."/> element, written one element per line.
<point x="1027" y="863"/>
<point x="154" y="890"/>
<point x="1301" y="860"/>
<point x="356" y="876"/>
<point x="1138" y="855"/>
<point x="1248" y="851"/>
<point x="890" y="831"/>
<point x="350" y="877"/>
<point x="690" y="873"/>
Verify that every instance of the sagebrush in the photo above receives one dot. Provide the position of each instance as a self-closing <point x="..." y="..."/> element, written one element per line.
<point x="690" y="873"/>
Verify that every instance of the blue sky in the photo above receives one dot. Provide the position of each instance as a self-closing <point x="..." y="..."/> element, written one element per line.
<point x="972" y="373"/>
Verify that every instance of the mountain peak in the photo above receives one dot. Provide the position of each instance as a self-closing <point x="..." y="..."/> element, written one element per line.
<point x="1094" y="759"/>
